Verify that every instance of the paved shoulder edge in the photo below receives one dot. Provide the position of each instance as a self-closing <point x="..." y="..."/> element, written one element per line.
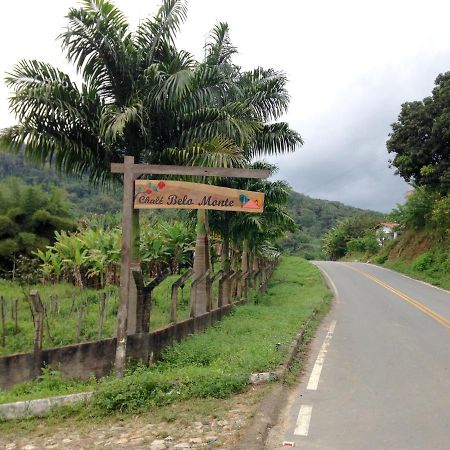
<point x="269" y="410"/>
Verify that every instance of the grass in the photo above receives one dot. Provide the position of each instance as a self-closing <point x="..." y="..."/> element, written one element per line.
<point x="64" y="303"/>
<point x="51" y="383"/>
<point x="217" y="362"/>
<point x="432" y="267"/>
<point x="421" y="255"/>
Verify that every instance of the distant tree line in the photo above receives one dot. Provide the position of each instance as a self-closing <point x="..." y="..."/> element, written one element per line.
<point x="29" y="217"/>
<point x="314" y="218"/>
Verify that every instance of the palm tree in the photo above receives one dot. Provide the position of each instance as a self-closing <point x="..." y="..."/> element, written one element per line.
<point x="250" y="232"/>
<point x="139" y="96"/>
<point x="260" y="98"/>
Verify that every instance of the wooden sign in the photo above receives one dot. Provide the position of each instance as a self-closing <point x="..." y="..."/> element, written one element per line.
<point x="185" y="195"/>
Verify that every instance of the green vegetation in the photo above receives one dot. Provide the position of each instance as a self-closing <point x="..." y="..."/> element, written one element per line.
<point x="91" y="255"/>
<point x="29" y="217"/>
<point x="419" y="139"/>
<point x="75" y="315"/>
<point x="422" y="249"/>
<point x="314" y="218"/>
<point x="352" y="235"/>
<point x="82" y="196"/>
<point x="217" y="362"/>
<point x="422" y="255"/>
<point x="51" y="383"/>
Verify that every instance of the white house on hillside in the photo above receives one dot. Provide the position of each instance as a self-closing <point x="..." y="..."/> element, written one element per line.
<point x="386" y="231"/>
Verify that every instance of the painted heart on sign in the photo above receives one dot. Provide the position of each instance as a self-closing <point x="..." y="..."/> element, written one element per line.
<point x="161" y="185"/>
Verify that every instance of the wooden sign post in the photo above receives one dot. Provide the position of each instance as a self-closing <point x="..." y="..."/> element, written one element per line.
<point x="199" y="196"/>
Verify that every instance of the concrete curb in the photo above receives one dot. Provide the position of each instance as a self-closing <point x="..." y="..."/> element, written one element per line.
<point x="39" y="407"/>
<point x="256" y="434"/>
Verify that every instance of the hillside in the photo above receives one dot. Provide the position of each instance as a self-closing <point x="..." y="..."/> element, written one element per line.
<point x="84" y="197"/>
<point x="314" y="217"/>
<point x="421" y="254"/>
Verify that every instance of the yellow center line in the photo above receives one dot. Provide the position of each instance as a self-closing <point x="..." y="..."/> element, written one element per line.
<point x="429" y="312"/>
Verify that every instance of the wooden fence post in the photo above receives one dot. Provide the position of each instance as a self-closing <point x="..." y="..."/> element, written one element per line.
<point x="3" y="314"/>
<point x="102" y="308"/>
<point x="178" y="284"/>
<point x="39" y="312"/>
<point x="125" y="260"/>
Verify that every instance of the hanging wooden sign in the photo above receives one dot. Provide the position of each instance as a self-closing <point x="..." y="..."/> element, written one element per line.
<point x="185" y="195"/>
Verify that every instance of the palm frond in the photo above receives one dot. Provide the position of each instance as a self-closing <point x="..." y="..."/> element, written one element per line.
<point x="216" y="152"/>
<point x="233" y="121"/>
<point x="276" y="138"/>
<point x="98" y="42"/>
<point x="114" y="121"/>
<point x="153" y="33"/>
<point x="218" y="48"/>
<point x="266" y="91"/>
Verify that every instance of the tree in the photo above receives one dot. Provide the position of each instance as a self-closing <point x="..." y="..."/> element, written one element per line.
<point x="143" y="97"/>
<point x="358" y="231"/>
<point x="420" y="139"/>
<point x="29" y="216"/>
<point x="261" y="97"/>
<point x="139" y="96"/>
<point x="249" y="233"/>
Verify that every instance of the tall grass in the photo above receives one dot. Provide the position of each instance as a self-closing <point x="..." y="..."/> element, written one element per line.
<point x="65" y="303"/>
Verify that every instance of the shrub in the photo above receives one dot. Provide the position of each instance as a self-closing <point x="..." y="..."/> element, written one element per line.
<point x="423" y="262"/>
<point x="380" y="259"/>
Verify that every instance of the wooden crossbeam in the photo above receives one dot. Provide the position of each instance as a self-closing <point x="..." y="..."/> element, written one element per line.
<point x="139" y="169"/>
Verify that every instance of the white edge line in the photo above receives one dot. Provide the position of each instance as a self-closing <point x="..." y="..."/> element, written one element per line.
<point x="303" y="420"/>
<point x="331" y="283"/>
<point x="397" y="273"/>
<point x="314" y="378"/>
<point x="409" y="278"/>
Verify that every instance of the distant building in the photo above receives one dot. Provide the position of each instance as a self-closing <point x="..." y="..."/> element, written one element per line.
<point x="386" y="231"/>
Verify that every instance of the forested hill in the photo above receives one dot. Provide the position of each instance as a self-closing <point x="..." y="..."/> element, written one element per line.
<point x="84" y="197"/>
<point x="314" y="217"/>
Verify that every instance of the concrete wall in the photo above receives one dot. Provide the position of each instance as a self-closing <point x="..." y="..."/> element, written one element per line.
<point x="96" y="358"/>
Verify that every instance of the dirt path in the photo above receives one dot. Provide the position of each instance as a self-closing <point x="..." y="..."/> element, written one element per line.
<point x="207" y="423"/>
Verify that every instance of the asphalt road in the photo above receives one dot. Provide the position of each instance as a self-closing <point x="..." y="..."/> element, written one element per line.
<point x="378" y="375"/>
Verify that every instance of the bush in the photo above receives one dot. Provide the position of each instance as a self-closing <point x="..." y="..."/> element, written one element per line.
<point x="367" y="244"/>
<point x="380" y="259"/>
<point x="423" y="262"/>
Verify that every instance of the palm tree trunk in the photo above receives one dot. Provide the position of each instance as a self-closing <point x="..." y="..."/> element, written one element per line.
<point x="255" y="267"/>
<point x="202" y="297"/>
<point x="244" y="268"/>
<point x="226" y="266"/>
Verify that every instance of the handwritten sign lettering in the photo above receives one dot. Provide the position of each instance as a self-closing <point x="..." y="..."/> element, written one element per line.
<point x="185" y="195"/>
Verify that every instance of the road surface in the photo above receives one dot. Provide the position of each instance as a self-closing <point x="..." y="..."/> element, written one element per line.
<point x="378" y="375"/>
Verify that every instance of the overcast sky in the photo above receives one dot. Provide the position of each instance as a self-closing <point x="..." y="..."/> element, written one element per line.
<point x="351" y="64"/>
